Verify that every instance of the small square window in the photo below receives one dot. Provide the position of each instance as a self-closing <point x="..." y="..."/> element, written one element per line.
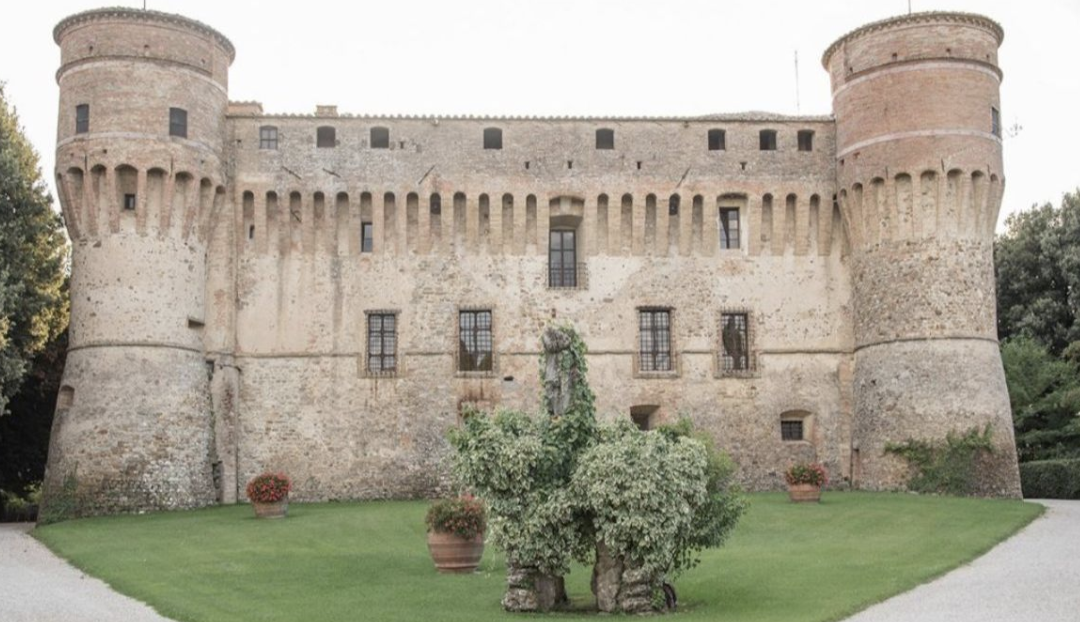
<point x="767" y="140"/>
<point x="178" y="122"/>
<point x="382" y="343"/>
<point x="717" y="140"/>
<point x="806" y="140"/>
<point x="367" y="237"/>
<point x="605" y="139"/>
<point x="325" y="137"/>
<point x="268" y="137"/>
<point x="82" y="118"/>
<point x="791" y="430"/>
<point x="492" y="138"/>
<point x="129" y="201"/>
<point x="380" y="138"/>
<point x="475" y="341"/>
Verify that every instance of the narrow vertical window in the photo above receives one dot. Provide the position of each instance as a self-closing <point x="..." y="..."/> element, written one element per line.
<point x="734" y="342"/>
<point x="178" y="122"/>
<point x="717" y="140"/>
<point x="806" y="140"/>
<point x="325" y="137"/>
<point x="382" y="343"/>
<point x="380" y="138"/>
<point x="562" y="259"/>
<point x="475" y="341"/>
<point x="673" y="205"/>
<point x="367" y="237"/>
<point x="492" y="138"/>
<point x="729" y="227"/>
<point x="605" y="138"/>
<point x="995" y="122"/>
<point x="268" y="137"/>
<point x="654" y="340"/>
<point x="436" y="204"/>
<point x="767" y="140"/>
<point x="82" y="118"/>
<point x="129" y="201"/>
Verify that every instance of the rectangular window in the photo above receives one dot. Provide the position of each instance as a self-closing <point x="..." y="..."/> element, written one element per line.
<point x="129" y="201"/>
<point x="562" y="259"/>
<point x="729" y="227"/>
<point x="655" y="340"/>
<point x="734" y="342"/>
<point x="475" y="341"/>
<point x="268" y="137"/>
<point x="717" y="140"/>
<point x="492" y="138"/>
<point x="605" y="139"/>
<point x="82" y="118"/>
<point x="806" y="140"/>
<point x="382" y="343"/>
<point x="380" y="138"/>
<point x="325" y="137"/>
<point x="995" y="122"/>
<point x="767" y="140"/>
<point x="791" y="430"/>
<point x="367" y="237"/>
<point x="178" y="122"/>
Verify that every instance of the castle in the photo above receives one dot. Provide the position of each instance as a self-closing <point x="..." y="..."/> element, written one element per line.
<point x="322" y="294"/>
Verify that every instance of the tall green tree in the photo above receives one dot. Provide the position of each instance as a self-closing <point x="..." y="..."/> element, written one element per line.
<point x="1044" y="392"/>
<point x="1037" y="262"/>
<point x="33" y="257"/>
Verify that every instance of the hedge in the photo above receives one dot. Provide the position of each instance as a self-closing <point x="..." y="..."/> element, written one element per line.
<point x="1051" y="479"/>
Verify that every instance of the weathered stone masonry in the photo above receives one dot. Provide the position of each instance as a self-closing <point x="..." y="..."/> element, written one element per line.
<point x="224" y="291"/>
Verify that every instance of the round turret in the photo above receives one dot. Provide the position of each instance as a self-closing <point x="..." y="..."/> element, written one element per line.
<point x="918" y="149"/>
<point x="140" y="172"/>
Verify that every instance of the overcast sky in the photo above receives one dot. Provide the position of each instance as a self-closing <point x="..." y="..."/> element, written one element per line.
<point x="579" y="57"/>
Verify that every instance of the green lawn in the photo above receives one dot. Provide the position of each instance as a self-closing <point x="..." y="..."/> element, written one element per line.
<point x="369" y="561"/>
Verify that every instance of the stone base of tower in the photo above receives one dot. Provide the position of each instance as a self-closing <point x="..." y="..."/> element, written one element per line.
<point x="925" y="389"/>
<point x="131" y="433"/>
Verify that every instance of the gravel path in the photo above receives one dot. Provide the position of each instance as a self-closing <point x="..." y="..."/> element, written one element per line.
<point x="37" y="586"/>
<point x="1032" y="577"/>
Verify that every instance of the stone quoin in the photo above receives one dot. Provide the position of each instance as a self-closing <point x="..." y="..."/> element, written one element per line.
<point x="322" y="294"/>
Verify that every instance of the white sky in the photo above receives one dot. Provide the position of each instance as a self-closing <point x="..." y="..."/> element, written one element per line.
<point x="578" y="57"/>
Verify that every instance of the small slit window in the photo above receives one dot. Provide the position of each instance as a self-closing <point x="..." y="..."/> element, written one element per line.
<point x="129" y="201"/>
<point x="995" y="121"/>
<point x="178" y="122"/>
<point x="380" y="138"/>
<point x="605" y="138"/>
<point x="367" y="237"/>
<point x="673" y="205"/>
<point x="82" y="118"/>
<point x="492" y="138"/>
<point x="436" y="204"/>
<point x="717" y="140"/>
<point x="767" y="140"/>
<point x="806" y="140"/>
<point x="326" y="137"/>
<point x="268" y="137"/>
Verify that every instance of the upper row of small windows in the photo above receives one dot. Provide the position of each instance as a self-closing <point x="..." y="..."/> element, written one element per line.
<point x="326" y="137"/>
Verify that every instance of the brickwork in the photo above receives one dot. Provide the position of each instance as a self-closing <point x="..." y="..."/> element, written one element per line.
<point x="242" y="268"/>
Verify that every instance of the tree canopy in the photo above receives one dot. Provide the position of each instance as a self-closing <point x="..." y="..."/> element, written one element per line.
<point x="33" y="257"/>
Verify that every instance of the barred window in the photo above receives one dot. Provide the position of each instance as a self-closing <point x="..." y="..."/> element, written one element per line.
<point x="791" y="430"/>
<point x="382" y="343"/>
<point x="729" y="227"/>
<point x="82" y="118"/>
<point x="475" y="341"/>
<point x="268" y="137"/>
<point x="735" y="342"/>
<point x="655" y="337"/>
<point x="178" y="122"/>
<point x="562" y="259"/>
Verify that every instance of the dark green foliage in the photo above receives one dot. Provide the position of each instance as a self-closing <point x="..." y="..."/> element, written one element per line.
<point x="945" y="467"/>
<point x="1037" y="262"/>
<point x="1044" y="392"/>
<point x="33" y="258"/>
<point x="1050" y="479"/>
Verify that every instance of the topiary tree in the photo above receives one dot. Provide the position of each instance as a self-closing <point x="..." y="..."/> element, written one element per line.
<point x="562" y="487"/>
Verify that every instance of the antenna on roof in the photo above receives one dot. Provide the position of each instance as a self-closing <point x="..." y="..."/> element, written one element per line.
<point x="797" y="107"/>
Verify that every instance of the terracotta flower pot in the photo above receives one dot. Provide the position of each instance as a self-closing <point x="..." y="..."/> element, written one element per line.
<point x="804" y="493"/>
<point x="277" y="509"/>
<point x="454" y="554"/>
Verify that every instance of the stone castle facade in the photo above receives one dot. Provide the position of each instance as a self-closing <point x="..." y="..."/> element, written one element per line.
<point x="321" y="294"/>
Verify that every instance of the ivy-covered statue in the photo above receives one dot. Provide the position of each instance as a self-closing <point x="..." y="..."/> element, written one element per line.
<point x="561" y="487"/>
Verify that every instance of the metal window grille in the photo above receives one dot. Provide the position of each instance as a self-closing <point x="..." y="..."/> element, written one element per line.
<point x="380" y="138"/>
<point x="492" y="138"/>
<point x="729" y="227"/>
<point x="325" y="137"/>
<point x="382" y="343"/>
<point x="178" y="122"/>
<point x="767" y="140"/>
<point x="655" y="337"/>
<point x="717" y="140"/>
<point x="562" y="259"/>
<point x="475" y="341"/>
<point x="791" y="430"/>
<point x="734" y="342"/>
<point x="268" y="137"/>
<point x="367" y="235"/>
<point x="82" y="118"/>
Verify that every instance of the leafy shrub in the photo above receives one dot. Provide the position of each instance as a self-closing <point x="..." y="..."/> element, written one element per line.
<point x="806" y="473"/>
<point x="945" y="467"/>
<point x="463" y="516"/>
<point x="269" y="488"/>
<point x="1050" y="479"/>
